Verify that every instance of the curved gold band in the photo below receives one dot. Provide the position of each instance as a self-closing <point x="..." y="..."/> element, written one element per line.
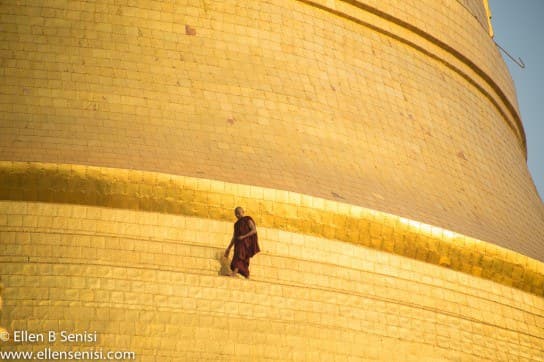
<point x="157" y="192"/>
<point x="432" y="47"/>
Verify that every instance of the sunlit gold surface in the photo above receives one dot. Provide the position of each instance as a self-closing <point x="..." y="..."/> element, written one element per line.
<point x="371" y="103"/>
<point x="148" y="282"/>
<point x="378" y="145"/>
<point x="147" y="191"/>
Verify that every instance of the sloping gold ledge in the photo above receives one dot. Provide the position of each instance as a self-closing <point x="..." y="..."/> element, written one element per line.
<point x="157" y="192"/>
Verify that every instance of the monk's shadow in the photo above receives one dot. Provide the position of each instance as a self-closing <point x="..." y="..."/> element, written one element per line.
<point x="225" y="264"/>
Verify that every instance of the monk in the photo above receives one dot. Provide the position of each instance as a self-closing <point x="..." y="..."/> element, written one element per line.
<point x="245" y="243"/>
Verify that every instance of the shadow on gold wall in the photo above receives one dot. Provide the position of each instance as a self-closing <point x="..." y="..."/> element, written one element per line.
<point x="224" y="262"/>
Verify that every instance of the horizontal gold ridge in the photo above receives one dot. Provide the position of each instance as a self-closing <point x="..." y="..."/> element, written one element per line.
<point x="427" y="44"/>
<point x="285" y="210"/>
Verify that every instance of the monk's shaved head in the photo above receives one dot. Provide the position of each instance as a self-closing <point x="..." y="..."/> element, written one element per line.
<point x="238" y="212"/>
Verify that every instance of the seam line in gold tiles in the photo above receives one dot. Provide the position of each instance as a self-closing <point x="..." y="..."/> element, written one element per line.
<point x="510" y="116"/>
<point x="218" y="249"/>
<point x="322" y="332"/>
<point x="212" y="243"/>
<point x="307" y="296"/>
<point x="90" y="185"/>
<point x="300" y="275"/>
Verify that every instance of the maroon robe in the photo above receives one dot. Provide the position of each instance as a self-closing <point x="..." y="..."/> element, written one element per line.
<point x="245" y="248"/>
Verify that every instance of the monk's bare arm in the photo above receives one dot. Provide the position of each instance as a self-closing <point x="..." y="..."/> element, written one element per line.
<point x="252" y="231"/>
